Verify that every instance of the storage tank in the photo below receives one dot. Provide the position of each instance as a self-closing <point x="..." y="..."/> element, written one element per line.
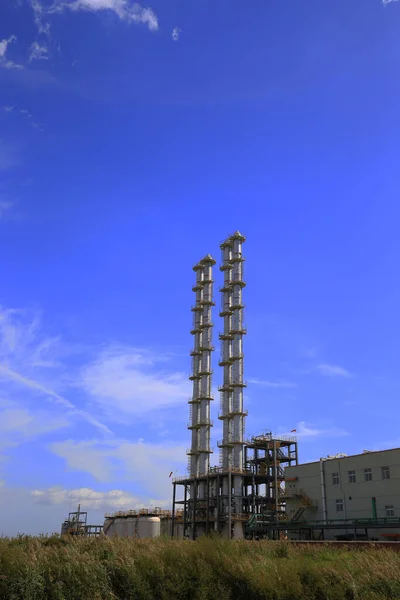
<point x="149" y="527"/>
<point x="139" y="527"/>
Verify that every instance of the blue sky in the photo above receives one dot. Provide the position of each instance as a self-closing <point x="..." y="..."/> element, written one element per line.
<point x="133" y="140"/>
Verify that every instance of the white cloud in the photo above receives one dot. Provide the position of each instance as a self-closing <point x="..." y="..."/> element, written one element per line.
<point x="42" y="26"/>
<point x="176" y="32"/>
<point x="89" y="499"/>
<point x="18" y="425"/>
<point x="272" y="384"/>
<point x="86" y="456"/>
<point x="124" y="378"/>
<point x="388" y="1"/>
<point x="38" y="52"/>
<point x="147" y="464"/>
<point x="124" y="9"/>
<point x="309" y="431"/>
<point x="4" y="62"/>
<point x="23" y="351"/>
<point x="8" y="374"/>
<point x="333" y="370"/>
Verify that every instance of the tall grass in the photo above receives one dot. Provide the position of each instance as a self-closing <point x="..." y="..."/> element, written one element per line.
<point x="209" y="569"/>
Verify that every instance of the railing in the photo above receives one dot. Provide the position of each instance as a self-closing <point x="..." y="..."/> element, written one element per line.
<point x="214" y="471"/>
<point x="189" y="451"/>
<point x="232" y="413"/>
<point x="304" y="499"/>
<point x="209" y="423"/>
<point x="271" y="437"/>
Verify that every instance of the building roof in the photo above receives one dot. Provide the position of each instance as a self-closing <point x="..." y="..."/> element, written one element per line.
<point x="338" y="457"/>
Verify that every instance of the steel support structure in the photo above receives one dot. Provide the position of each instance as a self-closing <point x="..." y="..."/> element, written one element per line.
<point x="200" y="423"/>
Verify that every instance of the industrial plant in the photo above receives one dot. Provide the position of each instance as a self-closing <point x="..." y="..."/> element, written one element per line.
<point x="249" y="479"/>
<point x="258" y="490"/>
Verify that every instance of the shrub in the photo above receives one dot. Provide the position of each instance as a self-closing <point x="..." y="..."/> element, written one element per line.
<point x="210" y="569"/>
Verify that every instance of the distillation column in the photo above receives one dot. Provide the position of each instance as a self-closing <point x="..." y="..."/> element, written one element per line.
<point x="237" y="380"/>
<point x="225" y="362"/>
<point x="205" y="371"/>
<point x="195" y="377"/>
<point x="233" y="413"/>
<point x="237" y="331"/>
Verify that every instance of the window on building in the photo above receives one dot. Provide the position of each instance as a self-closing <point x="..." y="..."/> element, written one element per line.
<point x="385" y="473"/>
<point x="389" y="510"/>
<point x="339" y="505"/>
<point x="368" y="474"/>
<point x="352" y="476"/>
<point x="335" y="478"/>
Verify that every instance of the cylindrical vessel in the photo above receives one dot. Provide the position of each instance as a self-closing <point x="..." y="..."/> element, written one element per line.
<point x="149" y="527"/>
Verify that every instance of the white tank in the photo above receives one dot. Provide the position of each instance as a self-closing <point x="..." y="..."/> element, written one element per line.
<point x="140" y="527"/>
<point x="149" y="527"/>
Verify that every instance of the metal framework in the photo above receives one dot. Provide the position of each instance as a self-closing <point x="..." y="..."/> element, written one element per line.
<point x="249" y="480"/>
<point x="266" y="456"/>
<point x="76" y="525"/>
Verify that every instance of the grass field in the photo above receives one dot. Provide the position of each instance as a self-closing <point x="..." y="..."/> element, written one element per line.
<point x="209" y="569"/>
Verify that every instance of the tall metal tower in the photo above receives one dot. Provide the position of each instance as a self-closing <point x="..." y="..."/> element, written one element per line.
<point x="232" y="412"/>
<point x="206" y="348"/>
<point x="200" y="423"/>
<point x="226" y="357"/>
<point x="237" y="332"/>
<point x="194" y="402"/>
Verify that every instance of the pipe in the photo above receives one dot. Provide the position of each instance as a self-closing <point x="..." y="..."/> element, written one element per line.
<point x="173" y="510"/>
<point x="374" y="511"/>
<point x="323" y="492"/>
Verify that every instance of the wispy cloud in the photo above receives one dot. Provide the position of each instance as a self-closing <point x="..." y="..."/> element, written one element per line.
<point x="305" y="430"/>
<point x="42" y="26"/>
<point x="38" y="52"/>
<point x="384" y="2"/>
<point x="24" y="113"/>
<point x="4" y="62"/>
<point x="149" y="464"/>
<point x="8" y="374"/>
<point x="132" y="381"/>
<point x="91" y="499"/>
<point x="272" y="384"/>
<point x="121" y="382"/>
<point x="24" y="349"/>
<point x="333" y="370"/>
<point x="19" y="425"/>
<point x="176" y="33"/>
<point x="131" y="12"/>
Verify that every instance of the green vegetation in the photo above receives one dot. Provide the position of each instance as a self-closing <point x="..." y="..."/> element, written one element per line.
<point x="97" y="569"/>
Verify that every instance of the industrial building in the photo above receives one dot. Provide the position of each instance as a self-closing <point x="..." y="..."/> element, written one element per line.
<point x="346" y="497"/>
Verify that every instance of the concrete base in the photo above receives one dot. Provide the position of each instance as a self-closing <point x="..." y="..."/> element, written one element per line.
<point x="238" y="533"/>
